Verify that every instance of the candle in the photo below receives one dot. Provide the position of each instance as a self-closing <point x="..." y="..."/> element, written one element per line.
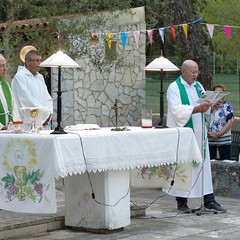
<point x="146" y="123"/>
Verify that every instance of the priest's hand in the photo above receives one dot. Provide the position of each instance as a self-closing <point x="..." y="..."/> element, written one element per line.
<point x="201" y="108"/>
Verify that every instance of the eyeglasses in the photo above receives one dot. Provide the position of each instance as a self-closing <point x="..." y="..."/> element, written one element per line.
<point x="36" y="60"/>
<point x="3" y="65"/>
<point x="195" y="72"/>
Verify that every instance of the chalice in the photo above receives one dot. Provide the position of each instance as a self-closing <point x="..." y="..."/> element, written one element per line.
<point x="20" y="173"/>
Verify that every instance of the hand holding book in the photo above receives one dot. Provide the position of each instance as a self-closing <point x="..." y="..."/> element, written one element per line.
<point x="212" y="97"/>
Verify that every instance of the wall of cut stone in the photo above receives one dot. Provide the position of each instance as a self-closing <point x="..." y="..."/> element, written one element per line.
<point x="226" y="178"/>
<point x="88" y="95"/>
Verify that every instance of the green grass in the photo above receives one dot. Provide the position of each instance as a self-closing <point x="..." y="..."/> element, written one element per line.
<point x="232" y="82"/>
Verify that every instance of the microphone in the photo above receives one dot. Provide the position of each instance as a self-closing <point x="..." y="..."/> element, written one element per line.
<point x="200" y="90"/>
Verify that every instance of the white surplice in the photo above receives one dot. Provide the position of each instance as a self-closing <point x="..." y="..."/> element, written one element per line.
<point x="177" y="116"/>
<point x="31" y="91"/>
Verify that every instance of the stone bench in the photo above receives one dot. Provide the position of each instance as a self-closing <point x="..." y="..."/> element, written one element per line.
<point x="226" y="178"/>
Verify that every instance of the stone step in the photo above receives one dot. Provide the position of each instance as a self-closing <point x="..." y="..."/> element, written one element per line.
<point x="32" y="227"/>
<point x="29" y="227"/>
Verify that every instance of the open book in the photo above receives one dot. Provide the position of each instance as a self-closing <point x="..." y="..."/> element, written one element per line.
<point x="212" y="97"/>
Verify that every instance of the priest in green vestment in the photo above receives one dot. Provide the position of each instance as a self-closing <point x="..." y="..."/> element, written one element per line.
<point x="8" y="107"/>
<point x="184" y="111"/>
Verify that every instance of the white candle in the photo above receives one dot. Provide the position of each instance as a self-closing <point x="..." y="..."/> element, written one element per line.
<point x="146" y="123"/>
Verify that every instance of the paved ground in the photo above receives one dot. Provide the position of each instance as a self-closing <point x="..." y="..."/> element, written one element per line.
<point x="160" y="222"/>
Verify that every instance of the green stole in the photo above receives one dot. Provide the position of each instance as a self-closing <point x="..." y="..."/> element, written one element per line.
<point x="185" y="99"/>
<point x="8" y="96"/>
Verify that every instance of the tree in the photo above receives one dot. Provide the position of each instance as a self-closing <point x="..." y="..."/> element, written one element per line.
<point x="52" y="12"/>
<point x="221" y="13"/>
<point x="194" y="48"/>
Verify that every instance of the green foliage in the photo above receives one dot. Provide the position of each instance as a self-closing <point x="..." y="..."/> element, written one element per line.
<point x="33" y="176"/>
<point x="9" y="178"/>
<point x="53" y="11"/>
<point x="222" y="12"/>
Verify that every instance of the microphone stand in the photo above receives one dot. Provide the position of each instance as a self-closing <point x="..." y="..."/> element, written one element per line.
<point x="203" y="209"/>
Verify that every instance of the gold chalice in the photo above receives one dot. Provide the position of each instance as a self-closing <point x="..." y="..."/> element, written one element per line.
<point x="20" y="173"/>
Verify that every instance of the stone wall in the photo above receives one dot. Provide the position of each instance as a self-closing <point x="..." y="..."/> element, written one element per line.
<point x="88" y="95"/>
<point x="226" y="178"/>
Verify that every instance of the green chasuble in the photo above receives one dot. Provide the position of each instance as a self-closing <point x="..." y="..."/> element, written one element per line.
<point x="185" y="99"/>
<point x="8" y="96"/>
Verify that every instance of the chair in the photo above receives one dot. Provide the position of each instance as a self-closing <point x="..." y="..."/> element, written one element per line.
<point x="235" y="145"/>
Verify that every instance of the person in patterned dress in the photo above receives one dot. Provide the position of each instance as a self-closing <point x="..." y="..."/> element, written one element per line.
<point x="219" y="127"/>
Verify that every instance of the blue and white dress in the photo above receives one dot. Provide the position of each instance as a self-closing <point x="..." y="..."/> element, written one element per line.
<point x="217" y="121"/>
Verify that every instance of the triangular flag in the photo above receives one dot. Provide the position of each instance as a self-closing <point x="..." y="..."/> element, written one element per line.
<point x="173" y="30"/>
<point x="150" y="35"/>
<point x="197" y="20"/>
<point x="94" y="37"/>
<point x="210" y="28"/>
<point x="228" y="30"/>
<point x="124" y="38"/>
<point x="136" y="35"/>
<point x="161" y="32"/>
<point x="109" y="39"/>
<point x="185" y="29"/>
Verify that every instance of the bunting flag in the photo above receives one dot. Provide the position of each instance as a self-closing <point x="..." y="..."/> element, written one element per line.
<point x="173" y="32"/>
<point x="79" y="40"/>
<point x="94" y="39"/>
<point x="185" y="29"/>
<point x="197" y="20"/>
<point x="150" y="35"/>
<point x="109" y="39"/>
<point x="228" y="30"/>
<point x="210" y="28"/>
<point x="124" y="38"/>
<point x="136" y="35"/>
<point x="161" y="32"/>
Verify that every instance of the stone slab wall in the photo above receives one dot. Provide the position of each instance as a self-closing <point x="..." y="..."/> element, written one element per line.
<point x="88" y="95"/>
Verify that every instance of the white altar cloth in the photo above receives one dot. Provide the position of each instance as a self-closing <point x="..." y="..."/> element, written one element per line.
<point x="91" y="150"/>
<point x="113" y="150"/>
<point x="27" y="182"/>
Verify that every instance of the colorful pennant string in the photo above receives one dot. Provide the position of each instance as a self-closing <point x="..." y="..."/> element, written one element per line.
<point x="136" y="34"/>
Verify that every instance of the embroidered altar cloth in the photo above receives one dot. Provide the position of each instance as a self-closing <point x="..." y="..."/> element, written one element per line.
<point x="27" y="182"/>
<point x="29" y="162"/>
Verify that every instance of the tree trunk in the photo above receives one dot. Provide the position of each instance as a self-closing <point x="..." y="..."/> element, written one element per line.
<point x="193" y="48"/>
